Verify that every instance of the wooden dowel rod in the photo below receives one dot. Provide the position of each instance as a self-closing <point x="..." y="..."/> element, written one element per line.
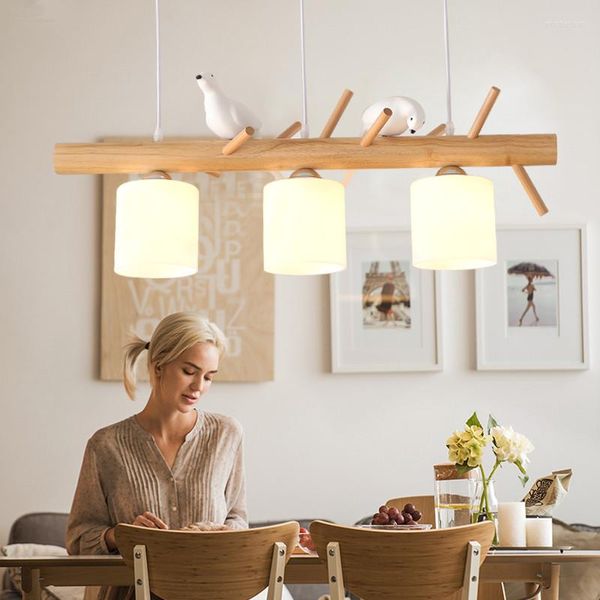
<point x="290" y="131"/>
<point x="194" y="155"/>
<point x="484" y="111"/>
<point x="241" y="138"/>
<point x="377" y="126"/>
<point x="439" y="130"/>
<point x="534" y="196"/>
<point x="335" y="116"/>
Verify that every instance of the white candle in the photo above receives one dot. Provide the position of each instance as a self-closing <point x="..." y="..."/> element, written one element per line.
<point x="539" y="531"/>
<point x="511" y="523"/>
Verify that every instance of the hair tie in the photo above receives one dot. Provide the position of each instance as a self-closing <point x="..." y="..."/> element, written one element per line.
<point x="147" y="346"/>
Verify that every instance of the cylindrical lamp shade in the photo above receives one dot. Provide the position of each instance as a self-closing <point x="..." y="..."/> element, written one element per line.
<point x="453" y="223"/>
<point x="304" y="226"/>
<point x="156" y="229"/>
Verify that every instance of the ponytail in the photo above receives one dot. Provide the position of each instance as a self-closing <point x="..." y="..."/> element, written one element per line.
<point x="132" y="352"/>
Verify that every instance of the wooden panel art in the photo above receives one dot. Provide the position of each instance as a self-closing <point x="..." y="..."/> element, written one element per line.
<point x="230" y="288"/>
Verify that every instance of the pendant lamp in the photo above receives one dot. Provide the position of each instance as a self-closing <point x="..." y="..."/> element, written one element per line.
<point x="453" y="223"/>
<point x="304" y="225"/>
<point x="156" y="228"/>
<point x="157" y="219"/>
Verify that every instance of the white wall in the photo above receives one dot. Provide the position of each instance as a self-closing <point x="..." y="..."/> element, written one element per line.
<point x="317" y="444"/>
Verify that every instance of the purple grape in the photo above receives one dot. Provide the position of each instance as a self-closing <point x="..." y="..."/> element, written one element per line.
<point x="393" y="512"/>
<point x="416" y="515"/>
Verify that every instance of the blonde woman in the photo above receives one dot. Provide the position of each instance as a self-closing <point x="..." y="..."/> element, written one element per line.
<point x="172" y="465"/>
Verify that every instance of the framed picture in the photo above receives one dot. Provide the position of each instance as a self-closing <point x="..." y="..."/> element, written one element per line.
<point x="230" y="288"/>
<point x="385" y="314"/>
<point x="532" y="305"/>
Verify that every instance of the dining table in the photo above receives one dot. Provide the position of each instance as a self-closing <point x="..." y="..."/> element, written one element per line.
<point x="539" y="569"/>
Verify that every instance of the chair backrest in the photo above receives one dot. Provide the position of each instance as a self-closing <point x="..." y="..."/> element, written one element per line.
<point x="217" y="565"/>
<point x="425" y="504"/>
<point x="387" y="565"/>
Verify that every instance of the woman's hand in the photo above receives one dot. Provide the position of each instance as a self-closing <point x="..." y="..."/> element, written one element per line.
<point x="146" y="519"/>
<point x="149" y="519"/>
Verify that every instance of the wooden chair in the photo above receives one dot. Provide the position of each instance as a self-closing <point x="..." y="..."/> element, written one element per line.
<point x="217" y="565"/>
<point x="423" y="503"/>
<point x="417" y="565"/>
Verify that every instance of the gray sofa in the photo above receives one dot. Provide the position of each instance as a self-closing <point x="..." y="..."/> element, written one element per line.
<point x="35" y="528"/>
<point x="50" y="528"/>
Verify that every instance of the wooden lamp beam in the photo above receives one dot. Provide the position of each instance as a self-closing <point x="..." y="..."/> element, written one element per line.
<point x="195" y="155"/>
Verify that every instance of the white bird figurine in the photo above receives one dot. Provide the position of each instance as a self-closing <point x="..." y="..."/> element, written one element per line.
<point x="406" y="114"/>
<point x="224" y="117"/>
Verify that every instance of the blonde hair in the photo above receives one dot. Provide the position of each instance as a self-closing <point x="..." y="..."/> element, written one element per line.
<point x="171" y="338"/>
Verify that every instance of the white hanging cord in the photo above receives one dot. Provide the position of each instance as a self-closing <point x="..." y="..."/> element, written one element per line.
<point x="304" y="131"/>
<point x="158" y="134"/>
<point x="449" y="123"/>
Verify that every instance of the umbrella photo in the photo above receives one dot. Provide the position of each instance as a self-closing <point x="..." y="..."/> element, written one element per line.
<point x="530" y="270"/>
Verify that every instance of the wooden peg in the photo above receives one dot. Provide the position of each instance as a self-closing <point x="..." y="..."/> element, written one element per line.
<point x="374" y="130"/>
<point x="484" y="111"/>
<point x="336" y="114"/>
<point x="241" y="138"/>
<point x="531" y="190"/>
<point x="290" y="131"/>
<point x="439" y="130"/>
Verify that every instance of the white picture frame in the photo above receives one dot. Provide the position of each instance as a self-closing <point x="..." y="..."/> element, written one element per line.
<point x="369" y="334"/>
<point x="543" y="327"/>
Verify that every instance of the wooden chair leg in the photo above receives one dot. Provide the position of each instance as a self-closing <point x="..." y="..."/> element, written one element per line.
<point x="471" y="577"/>
<point x="334" y="571"/>
<point x="140" y="573"/>
<point x="277" y="570"/>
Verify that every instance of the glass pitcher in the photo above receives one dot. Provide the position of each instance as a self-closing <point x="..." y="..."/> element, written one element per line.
<point x="454" y="493"/>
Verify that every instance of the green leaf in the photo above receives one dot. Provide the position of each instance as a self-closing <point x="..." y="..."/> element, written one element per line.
<point x="520" y="467"/>
<point x="491" y="422"/>
<point x="462" y="469"/>
<point x="474" y="420"/>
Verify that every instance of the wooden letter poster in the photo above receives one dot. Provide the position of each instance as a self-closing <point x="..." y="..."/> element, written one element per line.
<point x="230" y="287"/>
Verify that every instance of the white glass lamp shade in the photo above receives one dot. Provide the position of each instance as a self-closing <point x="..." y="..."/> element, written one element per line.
<point x="156" y="229"/>
<point x="453" y="223"/>
<point x="304" y="226"/>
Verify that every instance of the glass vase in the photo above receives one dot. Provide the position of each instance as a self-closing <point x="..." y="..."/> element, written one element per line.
<point x="484" y="506"/>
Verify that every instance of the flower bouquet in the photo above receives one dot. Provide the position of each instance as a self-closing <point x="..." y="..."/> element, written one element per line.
<point x="466" y="450"/>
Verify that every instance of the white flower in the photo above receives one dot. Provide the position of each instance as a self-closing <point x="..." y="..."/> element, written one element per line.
<point x="511" y="446"/>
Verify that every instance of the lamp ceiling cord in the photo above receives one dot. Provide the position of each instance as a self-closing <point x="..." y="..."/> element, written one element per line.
<point x="158" y="134"/>
<point x="304" y="132"/>
<point x="449" y="123"/>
